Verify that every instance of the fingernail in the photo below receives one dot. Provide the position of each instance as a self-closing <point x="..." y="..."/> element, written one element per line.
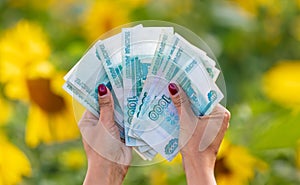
<point x="102" y="90"/>
<point x="173" y="88"/>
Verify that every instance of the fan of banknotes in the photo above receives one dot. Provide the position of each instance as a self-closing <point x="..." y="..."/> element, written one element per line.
<point x="137" y="65"/>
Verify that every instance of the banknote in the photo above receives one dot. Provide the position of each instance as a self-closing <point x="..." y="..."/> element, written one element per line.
<point x="82" y="82"/>
<point x="159" y="125"/>
<point x="174" y="48"/>
<point x="201" y="55"/>
<point x="81" y="98"/>
<point x="157" y="122"/>
<point x="109" y="51"/>
<point x="182" y="53"/>
<point x="139" y="44"/>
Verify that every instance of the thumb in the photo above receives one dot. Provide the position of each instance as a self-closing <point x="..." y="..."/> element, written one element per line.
<point x="175" y="96"/>
<point x="188" y="121"/>
<point x="106" y="106"/>
<point x="179" y="98"/>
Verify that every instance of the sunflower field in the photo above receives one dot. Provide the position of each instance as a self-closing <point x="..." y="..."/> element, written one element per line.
<point x="257" y="44"/>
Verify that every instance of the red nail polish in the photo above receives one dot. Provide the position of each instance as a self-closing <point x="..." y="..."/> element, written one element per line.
<point x="102" y="90"/>
<point x="173" y="88"/>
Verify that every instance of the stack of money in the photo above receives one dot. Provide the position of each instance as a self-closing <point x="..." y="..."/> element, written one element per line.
<point x="137" y="65"/>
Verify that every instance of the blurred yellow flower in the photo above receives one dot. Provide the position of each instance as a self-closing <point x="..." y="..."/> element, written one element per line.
<point x="158" y="176"/>
<point x="28" y="76"/>
<point x="282" y="83"/>
<point x="23" y="48"/>
<point x="273" y="7"/>
<point x="103" y="16"/>
<point x="51" y="115"/>
<point x="73" y="159"/>
<point x="235" y="165"/>
<point x="13" y="163"/>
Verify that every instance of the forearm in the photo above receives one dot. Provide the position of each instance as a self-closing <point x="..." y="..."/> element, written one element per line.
<point x="198" y="171"/>
<point x="106" y="173"/>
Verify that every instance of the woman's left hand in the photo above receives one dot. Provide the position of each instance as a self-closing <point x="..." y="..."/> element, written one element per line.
<point x="108" y="157"/>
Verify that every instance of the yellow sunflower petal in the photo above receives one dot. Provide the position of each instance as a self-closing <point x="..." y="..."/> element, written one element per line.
<point x="100" y="19"/>
<point x="223" y="148"/>
<point x="24" y="44"/>
<point x="16" y="89"/>
<point x="240" y="162"/>
<point x="43" y="69"/>
<point x="235" y="165"/>
<point x="57" y="81"/>
<point x="13" y="163"/>
<point x="51" y="108"/>
<point x="23" y="52"/>
<point x="65" y="130"/>
<point x="64" y="127"/>
<point x="37" y="128"/>
<point x="282" y="83"/>
<point x="9" y="70"/>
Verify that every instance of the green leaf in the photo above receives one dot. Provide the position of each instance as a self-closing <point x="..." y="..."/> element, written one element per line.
<point x="283" y="131"/>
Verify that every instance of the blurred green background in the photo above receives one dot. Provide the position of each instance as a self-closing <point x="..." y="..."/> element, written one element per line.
<point x="257" y="44"/>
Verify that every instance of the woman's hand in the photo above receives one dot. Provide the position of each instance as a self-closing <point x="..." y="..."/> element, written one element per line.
<point x="200" y="138"/>
<point x="108" y="158"/>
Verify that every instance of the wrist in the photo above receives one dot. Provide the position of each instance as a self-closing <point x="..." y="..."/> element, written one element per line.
<point x="105" y="172"/>
<point x="199" y="170"/>
<point x="206" y="158"/>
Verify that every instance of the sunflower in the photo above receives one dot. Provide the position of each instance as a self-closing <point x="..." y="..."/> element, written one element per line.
<point x="29" y="77"/>
<point x="282" y="84"/>
<point x="235" y="165"/>
<point x="51" y="111"/>
<point x="23" y="53"/>
<point x="13" y="163"/>
<point x="103" y="16"/>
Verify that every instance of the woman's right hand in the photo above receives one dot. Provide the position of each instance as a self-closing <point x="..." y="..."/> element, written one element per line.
<point x="198" y="145"/>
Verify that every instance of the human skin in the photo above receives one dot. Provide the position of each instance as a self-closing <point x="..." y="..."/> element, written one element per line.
<point x="102" y="169"/>
<point x="198" y="164"/>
